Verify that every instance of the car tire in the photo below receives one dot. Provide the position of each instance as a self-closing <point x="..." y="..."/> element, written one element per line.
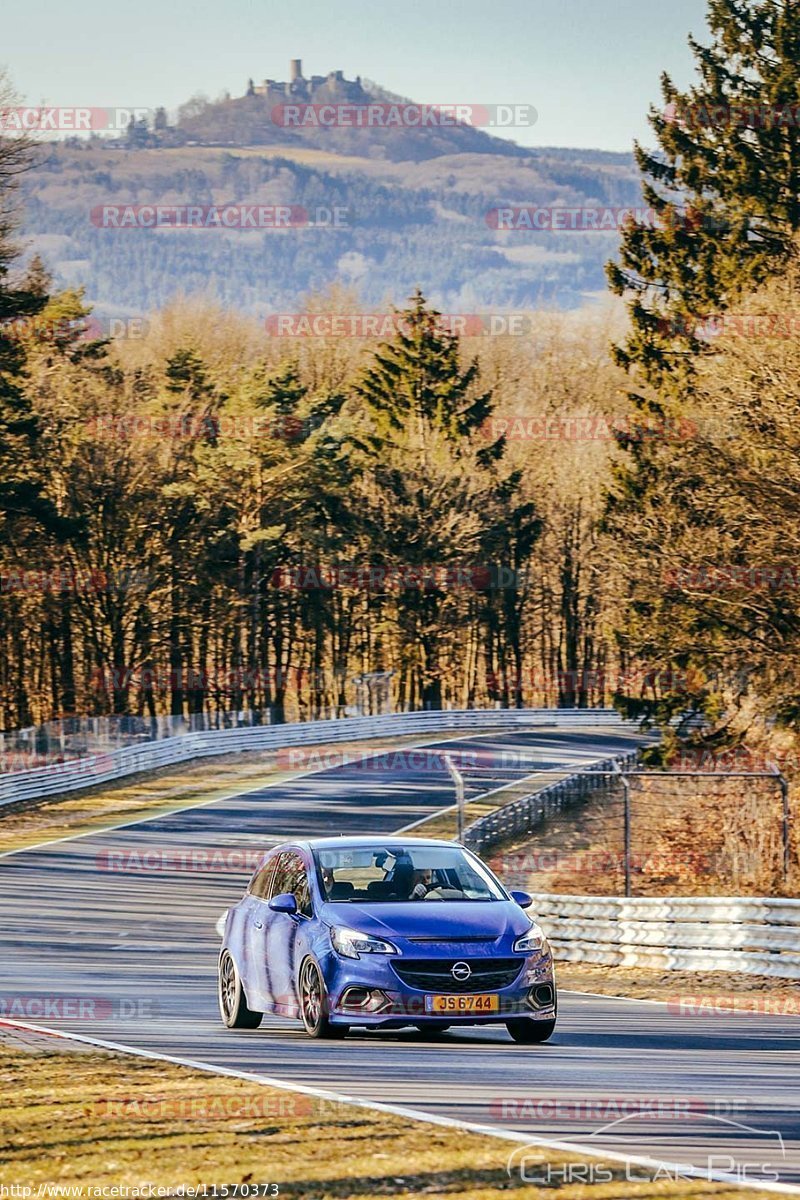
<point x="314" y="1003"/>
<point x="529" y="1032"/>
<point x="232" y="1000"/>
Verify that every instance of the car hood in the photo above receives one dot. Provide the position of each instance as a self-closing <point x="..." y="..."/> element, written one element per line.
<point x="446" y="919"/>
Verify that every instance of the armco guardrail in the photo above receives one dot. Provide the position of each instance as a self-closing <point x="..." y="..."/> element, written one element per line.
<point x="525" y="814"/>
<point x="102" y="768"/>
<point x="693" y="933"/>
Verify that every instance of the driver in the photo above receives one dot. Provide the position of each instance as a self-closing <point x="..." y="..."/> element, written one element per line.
<point x="421" y="884"/>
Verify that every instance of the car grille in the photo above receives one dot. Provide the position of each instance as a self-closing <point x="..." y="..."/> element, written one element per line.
<point x="449" y="941"/>
<point x="434" y="974"/>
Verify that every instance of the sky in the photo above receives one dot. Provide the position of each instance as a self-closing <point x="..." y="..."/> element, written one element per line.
<point x="589" y="67"/>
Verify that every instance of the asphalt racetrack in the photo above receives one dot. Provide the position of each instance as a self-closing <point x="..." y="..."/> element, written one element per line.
<point x="113" y="936"/>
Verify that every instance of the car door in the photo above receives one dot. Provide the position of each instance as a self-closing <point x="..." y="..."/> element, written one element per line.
<point x="285" y="940"/>
<point x="253" y="969"/>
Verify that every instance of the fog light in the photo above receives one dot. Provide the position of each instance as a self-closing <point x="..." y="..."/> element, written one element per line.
<point x="365" y="1000"/>
<point x="541" y="996"/>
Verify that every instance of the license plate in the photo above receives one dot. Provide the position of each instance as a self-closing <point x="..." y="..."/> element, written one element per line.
<point x="485" y="1003"/>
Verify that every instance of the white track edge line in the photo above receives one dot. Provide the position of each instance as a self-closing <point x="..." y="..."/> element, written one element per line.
<point x="609" y="996"/>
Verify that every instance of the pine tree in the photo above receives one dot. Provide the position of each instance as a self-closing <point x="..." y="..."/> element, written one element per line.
<point x="416" y="382"/>
<point x="22" y="496"/>
<point x="723" y="188"/>
<point x="435" y="501"/>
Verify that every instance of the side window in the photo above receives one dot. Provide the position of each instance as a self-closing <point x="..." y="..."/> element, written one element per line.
<point x="301" y="889"/>
<point x="280" y="879"/>
<point x="291" y="876"/>
<point x="259" y="884"/>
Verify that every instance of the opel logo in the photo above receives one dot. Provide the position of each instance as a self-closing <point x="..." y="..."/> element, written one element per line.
<point x="461" y="971"/>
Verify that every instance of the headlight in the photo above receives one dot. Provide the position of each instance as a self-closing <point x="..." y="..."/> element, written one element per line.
<point x="532" y="941"/>
<point x="353" y="944"/>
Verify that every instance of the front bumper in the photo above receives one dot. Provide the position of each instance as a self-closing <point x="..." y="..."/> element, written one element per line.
<point x="376" y="997"/>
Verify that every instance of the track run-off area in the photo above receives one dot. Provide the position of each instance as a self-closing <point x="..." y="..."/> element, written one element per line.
<point x="113" y="936"/>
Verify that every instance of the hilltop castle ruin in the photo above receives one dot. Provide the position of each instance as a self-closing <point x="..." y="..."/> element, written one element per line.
<point x="321" y="87"/>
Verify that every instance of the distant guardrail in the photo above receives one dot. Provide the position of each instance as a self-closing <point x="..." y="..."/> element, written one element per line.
<point x="103" y="768"/>
<point x="753" y="936"/>
<point x="526" y="814"/>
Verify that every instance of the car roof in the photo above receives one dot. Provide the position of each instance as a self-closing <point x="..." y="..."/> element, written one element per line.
<point x="386" y="843"/>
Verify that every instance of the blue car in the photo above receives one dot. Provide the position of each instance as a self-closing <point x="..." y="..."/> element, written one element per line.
<point x="384" y="932"/>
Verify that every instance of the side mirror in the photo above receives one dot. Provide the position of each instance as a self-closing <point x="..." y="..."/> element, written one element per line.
<point x="522" y="899"/>
<point x="285" y="903"/>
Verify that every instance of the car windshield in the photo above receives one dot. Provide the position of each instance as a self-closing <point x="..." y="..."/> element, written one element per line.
<point x="393" y="874"/>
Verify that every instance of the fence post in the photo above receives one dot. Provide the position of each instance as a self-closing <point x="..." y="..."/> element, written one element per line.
<point x="458" y="780"/>
<point x="626" y="792"/>
<point x="784" y="786"/>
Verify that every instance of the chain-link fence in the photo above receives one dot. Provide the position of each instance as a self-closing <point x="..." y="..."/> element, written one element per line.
<point x="77" y="737"/>
<point x="649" y="833"/>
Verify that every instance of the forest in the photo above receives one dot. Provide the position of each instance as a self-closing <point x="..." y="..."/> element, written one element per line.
<point x="599" y="507"/>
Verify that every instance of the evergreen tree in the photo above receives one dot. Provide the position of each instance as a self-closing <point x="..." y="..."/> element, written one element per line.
<point x="416" y="381"/>
<point x="723" y="188"/>
<point x="21" y="484"/>
<point x="437" y="511"/>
